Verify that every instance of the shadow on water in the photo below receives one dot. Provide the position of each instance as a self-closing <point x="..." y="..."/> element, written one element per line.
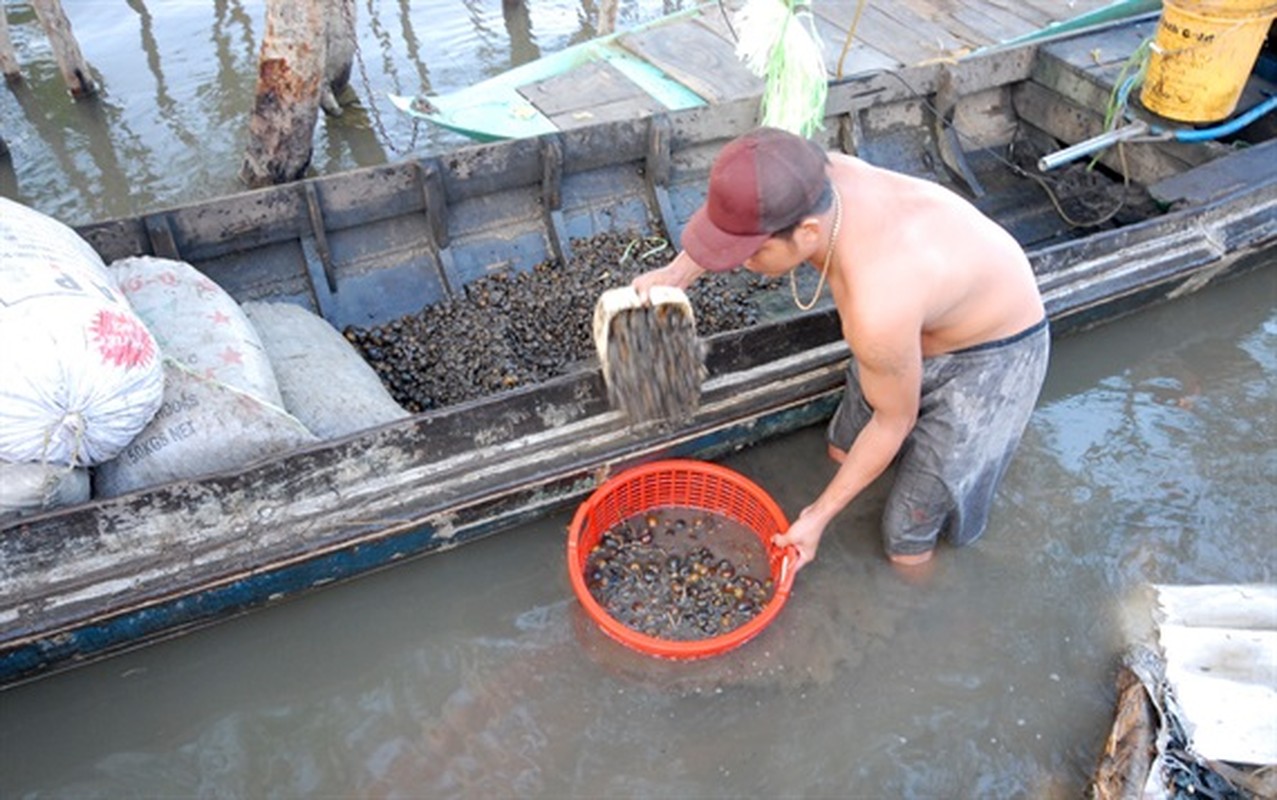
<point x="475" y="673"/>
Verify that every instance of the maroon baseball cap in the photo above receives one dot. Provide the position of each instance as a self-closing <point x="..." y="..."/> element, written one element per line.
<point x="760" y="183"/>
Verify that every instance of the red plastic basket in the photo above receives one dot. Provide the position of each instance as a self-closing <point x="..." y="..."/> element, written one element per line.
<point x="682" y="484"/>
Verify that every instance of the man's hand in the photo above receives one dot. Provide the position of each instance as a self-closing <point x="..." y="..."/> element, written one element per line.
<point x="804" y="535"/>
<point x="654" y="277"/>
<point x="681" y="272"/>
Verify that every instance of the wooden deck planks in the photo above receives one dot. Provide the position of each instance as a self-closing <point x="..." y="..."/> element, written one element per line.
<point x="1029" y="13"/>
<point x="591" y="84"/>
<point x="696" y="57"/>
<point x="939" y="17"/>
<point x="861" y="56"/>
<point x="994" y="23"/>
<point x="881" y="31"/>
<point x="700" y="51"/>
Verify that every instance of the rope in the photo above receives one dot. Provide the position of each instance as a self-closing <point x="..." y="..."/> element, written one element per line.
<point x="374" y="115"/>
<point x="851" y="33"/>
<point x="53" y="481"/>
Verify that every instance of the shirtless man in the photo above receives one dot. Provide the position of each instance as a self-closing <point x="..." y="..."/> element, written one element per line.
<point x="938" y="304"/>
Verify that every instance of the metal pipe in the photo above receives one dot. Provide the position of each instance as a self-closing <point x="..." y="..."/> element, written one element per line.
<point x="1088" y="146"/>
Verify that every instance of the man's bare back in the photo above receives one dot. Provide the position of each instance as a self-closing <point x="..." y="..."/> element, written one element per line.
<point x="912" y="249"/>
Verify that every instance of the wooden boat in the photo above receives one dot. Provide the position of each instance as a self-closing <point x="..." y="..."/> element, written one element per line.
<point x="688" y="60"/>
<point x="371" y="245"/>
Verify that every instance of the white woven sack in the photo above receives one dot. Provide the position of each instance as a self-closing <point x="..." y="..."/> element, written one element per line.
<point x="203" y="427"/>
<point x="324" y="381"/>
<point x="80" y="373"/>
<point x="56" y="240"/>
<point x="31" y="487"/>
<point x="197" y="324"/>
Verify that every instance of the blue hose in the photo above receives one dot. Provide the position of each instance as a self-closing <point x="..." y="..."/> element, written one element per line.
<point x="1233" y="125"/>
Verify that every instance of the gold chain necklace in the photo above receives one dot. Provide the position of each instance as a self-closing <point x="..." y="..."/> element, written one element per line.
<point x="829" y="257"/>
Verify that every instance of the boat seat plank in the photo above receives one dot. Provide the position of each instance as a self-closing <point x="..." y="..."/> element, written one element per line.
<point x="1109" y="48"/>
<point x="696" y="57"/>
<point x="935" y="19"/>
<point x="994" y="21"/>
<point x="592" y="84"/>
<point x="861" y="57"/>
<point x="887" y="33"/>
<point x="630" y="108"/>
<point x="1034" y="16"/>
<point x="1214" y="179"/>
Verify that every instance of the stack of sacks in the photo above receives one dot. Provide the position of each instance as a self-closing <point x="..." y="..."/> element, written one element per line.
<point x="80" y="373"/>
<point x="222" y="407"/>
<point x="324" y="381"/>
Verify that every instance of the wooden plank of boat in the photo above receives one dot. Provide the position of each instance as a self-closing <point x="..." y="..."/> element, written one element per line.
<point x="995" y="23"/>
<point x="910" y="36"/>
<point x="371" y="245"/>
<point x="696" y="57"/>
<point x="1215" y="178"/>
<point x="596" y="92"/>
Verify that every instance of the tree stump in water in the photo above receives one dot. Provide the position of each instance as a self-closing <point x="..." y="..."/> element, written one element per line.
<point x="75" y="70"/>
<point x="1128" y="754"/>
<point x="8" y="60"/>
<point x="339" y="53"/>
<point x="290" y="75"/>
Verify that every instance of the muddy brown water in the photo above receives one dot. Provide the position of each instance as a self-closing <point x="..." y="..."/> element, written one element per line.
<point x="474" y="673"/>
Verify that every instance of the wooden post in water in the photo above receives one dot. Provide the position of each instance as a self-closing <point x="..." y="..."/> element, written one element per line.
<point x="75" y="71"/>
<point x="607" y="17"/>
<point x="339" y="53"/>
<point x="8" y="60"/>
<point x="290" y="76"/>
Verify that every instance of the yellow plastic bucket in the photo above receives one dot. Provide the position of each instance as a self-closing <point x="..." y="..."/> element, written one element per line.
<point x="1202" y="55"/>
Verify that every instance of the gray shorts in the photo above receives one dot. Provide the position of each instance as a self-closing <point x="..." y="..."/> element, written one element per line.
<point x="975" y="406"/>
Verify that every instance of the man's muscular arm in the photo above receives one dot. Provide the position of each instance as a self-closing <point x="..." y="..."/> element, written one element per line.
<point x="890" y="367"/>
